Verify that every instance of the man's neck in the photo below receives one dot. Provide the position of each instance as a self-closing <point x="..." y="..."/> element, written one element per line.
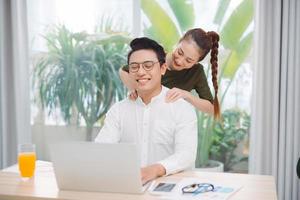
<point x="147" y="96"/>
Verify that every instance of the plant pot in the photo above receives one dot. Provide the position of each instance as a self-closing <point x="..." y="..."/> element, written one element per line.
<point x="213" y="166"/>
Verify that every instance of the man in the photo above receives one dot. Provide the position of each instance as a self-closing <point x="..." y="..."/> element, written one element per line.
<point x="166" y="133"/>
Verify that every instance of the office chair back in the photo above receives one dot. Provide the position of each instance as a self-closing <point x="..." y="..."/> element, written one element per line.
<point x="298" y="169"/>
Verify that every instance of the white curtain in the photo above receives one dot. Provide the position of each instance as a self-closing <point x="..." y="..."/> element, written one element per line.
<point x="275" y="129"/>
<point x="14" y="81"/>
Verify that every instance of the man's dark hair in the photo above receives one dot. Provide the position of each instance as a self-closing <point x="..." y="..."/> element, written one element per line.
<point x="149" y="44"/>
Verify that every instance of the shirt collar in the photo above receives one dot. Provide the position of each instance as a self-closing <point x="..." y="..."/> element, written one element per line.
<point x="158" y="97"/>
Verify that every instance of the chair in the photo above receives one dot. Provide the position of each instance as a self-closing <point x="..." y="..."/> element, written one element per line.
<point x="298" y="169"/>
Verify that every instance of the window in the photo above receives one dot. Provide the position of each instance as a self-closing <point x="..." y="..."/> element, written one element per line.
<point x="72" y="43"/>
<point x="92" y="17"/>
<point x="90" y="22"/>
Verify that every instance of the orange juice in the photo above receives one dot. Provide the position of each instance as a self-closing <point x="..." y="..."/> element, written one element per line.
<point x="26" y="162"/>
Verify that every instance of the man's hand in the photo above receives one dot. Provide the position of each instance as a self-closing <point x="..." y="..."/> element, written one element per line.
<point x="151" y="172"/>
<point x="176" y="93"/>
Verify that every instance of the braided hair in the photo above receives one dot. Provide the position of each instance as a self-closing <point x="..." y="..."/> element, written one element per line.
<point x="207" y="41"/>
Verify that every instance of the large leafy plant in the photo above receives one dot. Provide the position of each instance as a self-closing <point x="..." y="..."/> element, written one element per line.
<point x="235" y="37"/>
<point x="227" y="135"/>
<point x="79" y="73"/>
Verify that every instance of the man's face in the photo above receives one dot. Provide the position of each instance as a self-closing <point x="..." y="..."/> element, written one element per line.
<point x="148" y="78"/>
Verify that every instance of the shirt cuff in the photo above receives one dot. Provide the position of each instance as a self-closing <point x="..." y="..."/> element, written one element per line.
<point x="169" y="167"/>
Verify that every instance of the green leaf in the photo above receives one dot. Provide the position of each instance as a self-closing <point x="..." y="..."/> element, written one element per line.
<point x="116" y="38"/>
<point x="237" y="24"/>
<point x="184" y="13"/>
<point x="164" y="29"/>
<point x="80" y="71"/>
<point x="151" y="32"/>
<point x="222" y="8"/>
<point x="237" y="57"/>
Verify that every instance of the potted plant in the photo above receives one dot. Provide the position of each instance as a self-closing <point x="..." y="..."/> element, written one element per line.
<point x="218" y="142"/>
<point x="205" y="139"/>
<point x="227" y="135"/>
<point x="79" y="74"/>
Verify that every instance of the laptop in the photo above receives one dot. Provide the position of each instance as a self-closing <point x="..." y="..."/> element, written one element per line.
<point x="89" y="166"/>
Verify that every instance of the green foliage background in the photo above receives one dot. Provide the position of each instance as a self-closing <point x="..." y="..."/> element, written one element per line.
<point x="235" y="38"/>
<point x="79" y="73"/>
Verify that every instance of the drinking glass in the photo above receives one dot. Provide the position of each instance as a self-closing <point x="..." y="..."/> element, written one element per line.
<point x="26" y="160"/>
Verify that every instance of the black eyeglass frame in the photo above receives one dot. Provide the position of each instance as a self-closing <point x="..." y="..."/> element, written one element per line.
<point x="143" y="65"/>
<point x="207" y="186"/>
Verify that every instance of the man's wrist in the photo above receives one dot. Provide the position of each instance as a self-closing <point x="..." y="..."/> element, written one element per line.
<point x="160" y="170"/>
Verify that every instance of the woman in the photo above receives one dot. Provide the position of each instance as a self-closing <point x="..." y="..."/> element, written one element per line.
<point x="184" y="73"/>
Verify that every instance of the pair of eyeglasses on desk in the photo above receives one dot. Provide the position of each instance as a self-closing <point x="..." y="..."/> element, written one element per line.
<point x="197" y="188"/>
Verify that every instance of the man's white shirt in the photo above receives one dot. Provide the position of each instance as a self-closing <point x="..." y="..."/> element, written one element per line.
<point x="166" y="133"/>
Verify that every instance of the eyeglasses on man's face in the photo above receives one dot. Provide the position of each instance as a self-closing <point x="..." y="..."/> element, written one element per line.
<point x="197" y="188"/>
<point x="147" y="66"/>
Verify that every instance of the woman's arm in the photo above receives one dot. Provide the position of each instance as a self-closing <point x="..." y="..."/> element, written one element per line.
<point x="202" y="105"/>
<point x="127" y="80"/>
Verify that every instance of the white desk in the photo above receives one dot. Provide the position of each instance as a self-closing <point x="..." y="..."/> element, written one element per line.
<point x="43" y="186"/>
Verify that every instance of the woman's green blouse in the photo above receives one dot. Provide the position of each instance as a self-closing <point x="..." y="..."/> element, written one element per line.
<point x="189" y="79"/>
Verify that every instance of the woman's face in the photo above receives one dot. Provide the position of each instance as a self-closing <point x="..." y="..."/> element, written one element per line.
<point x="185" y="55"/>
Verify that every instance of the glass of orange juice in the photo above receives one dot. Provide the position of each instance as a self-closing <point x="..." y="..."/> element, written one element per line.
<point x="26" y="160"/>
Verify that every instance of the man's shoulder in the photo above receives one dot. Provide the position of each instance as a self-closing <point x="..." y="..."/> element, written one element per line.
<point x="180" y="103"/>
<point x="183" y="104"/>
<point x="182" y="112"/>
<point x="124" y="101"/>
<point x="121" y="104"/>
